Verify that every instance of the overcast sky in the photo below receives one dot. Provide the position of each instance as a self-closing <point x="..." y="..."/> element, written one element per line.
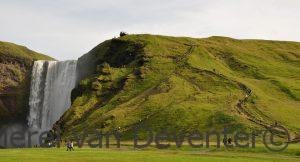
<point x="66" y="29"/>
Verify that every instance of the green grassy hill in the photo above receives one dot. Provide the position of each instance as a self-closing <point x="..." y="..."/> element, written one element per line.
<point x="187" y="84"/>
<point x="15" y="70"/>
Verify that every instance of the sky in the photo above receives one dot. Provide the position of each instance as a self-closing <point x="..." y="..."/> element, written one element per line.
<point x="67" y="29"/>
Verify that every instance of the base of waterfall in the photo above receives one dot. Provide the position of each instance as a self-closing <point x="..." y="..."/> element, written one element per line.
<point x="19" y="135"/>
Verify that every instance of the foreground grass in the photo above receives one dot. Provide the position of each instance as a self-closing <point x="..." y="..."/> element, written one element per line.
<point x="125" y="154"/>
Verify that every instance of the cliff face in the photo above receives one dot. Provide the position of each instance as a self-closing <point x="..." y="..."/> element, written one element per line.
<point x="15" y="71"/>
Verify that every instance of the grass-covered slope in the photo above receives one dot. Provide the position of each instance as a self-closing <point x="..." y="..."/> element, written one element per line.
<point x="187" y="84"/>
<point x="15" y="70"/>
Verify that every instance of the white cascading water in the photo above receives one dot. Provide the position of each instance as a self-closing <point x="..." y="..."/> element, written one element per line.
<point x="50" y="92"/>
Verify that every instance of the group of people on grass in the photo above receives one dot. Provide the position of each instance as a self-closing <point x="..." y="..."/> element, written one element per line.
<point x="227" y="141"/>
<point x="70" y="146"/>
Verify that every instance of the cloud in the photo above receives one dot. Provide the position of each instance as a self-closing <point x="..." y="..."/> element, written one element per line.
<point x="66" y="29"/>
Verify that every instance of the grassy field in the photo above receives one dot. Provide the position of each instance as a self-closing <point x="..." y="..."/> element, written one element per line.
<point x="125" y="154"/>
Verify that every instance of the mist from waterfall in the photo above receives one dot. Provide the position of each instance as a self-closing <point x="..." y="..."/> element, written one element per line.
<point x="50" y="92"/>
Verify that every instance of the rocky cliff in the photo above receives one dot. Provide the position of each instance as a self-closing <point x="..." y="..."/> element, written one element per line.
<point x="15" y="70"/>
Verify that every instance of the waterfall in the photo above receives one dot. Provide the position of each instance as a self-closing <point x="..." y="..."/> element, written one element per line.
<point x="50" y="96"/>
<point x="50" y="92"/>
